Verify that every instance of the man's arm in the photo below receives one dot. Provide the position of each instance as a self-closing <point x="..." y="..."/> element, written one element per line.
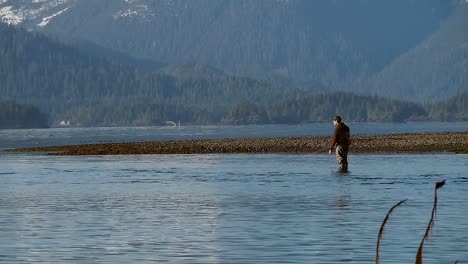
<point x="348" y="134"/>
<point x="335" y="134"/>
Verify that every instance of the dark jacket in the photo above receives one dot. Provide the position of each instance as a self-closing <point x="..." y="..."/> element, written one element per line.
<point x="341" y="135"/>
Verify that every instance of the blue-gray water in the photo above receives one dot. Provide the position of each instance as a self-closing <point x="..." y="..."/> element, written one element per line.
<point x="226" y="208"/>
<point x="16" y="138"/>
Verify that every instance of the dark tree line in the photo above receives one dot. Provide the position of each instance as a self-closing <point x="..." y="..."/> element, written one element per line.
<point x="13" y="115"/>
<point x="321" y="107"/>
<point x="454" y="109"/>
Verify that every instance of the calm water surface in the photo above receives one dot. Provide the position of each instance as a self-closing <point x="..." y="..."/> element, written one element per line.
<point x="226" y="208"/>
<point x="17" y="138"/>
<point x="242" y="208"/>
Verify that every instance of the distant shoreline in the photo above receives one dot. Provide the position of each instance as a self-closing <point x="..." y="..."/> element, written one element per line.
<point x="451" y="142"/>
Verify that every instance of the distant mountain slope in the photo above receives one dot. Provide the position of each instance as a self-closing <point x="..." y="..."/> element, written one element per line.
<point x="327" y="44"/>
<point x="436" y="69"/>
<point x="63" y="81"/>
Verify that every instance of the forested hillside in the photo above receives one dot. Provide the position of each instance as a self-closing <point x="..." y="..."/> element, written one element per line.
<point x="13" y="115"/>
<point x="322" y="44"/>
<point x="322" y="107"/>
<point x="453" y="109"/>
<point x="66" y="84"/>
<point x="435" y="69"/>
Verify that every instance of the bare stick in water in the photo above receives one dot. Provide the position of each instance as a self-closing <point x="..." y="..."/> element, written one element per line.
<point x="389" y="213"/>
<point x="431" y="223"/>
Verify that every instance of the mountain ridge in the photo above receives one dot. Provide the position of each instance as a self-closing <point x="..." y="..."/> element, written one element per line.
<point x="329" y="45"/>
<point x="439" y="64"/>
<point x="67" y="84"/>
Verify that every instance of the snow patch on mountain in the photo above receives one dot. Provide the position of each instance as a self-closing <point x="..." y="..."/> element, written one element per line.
<point x="15" y="12"/>
<point x="134" y="9"/>
<point x="46" y="20"/>
<point x="147" y="10"/>
<point x="9" y="16"/>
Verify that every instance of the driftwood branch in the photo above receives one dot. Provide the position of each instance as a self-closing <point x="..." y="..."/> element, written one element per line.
<point x="430" y="225"/>
<point x="389" y="213"/>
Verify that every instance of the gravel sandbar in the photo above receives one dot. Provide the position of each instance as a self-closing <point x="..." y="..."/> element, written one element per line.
<point x="394" y="143"/>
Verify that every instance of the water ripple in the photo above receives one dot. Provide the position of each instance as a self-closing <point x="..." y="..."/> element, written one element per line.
<point x="228" y="209"/>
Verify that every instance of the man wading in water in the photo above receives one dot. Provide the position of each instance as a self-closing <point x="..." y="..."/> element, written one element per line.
<point x="341" y="139"/>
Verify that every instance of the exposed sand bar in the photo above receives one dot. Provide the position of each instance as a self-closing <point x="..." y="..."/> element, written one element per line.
<point x="395" y="143"/>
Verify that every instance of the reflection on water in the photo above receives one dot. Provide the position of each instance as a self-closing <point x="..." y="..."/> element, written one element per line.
<point x="342" y="202"/>
<point x="229" y="209"/>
